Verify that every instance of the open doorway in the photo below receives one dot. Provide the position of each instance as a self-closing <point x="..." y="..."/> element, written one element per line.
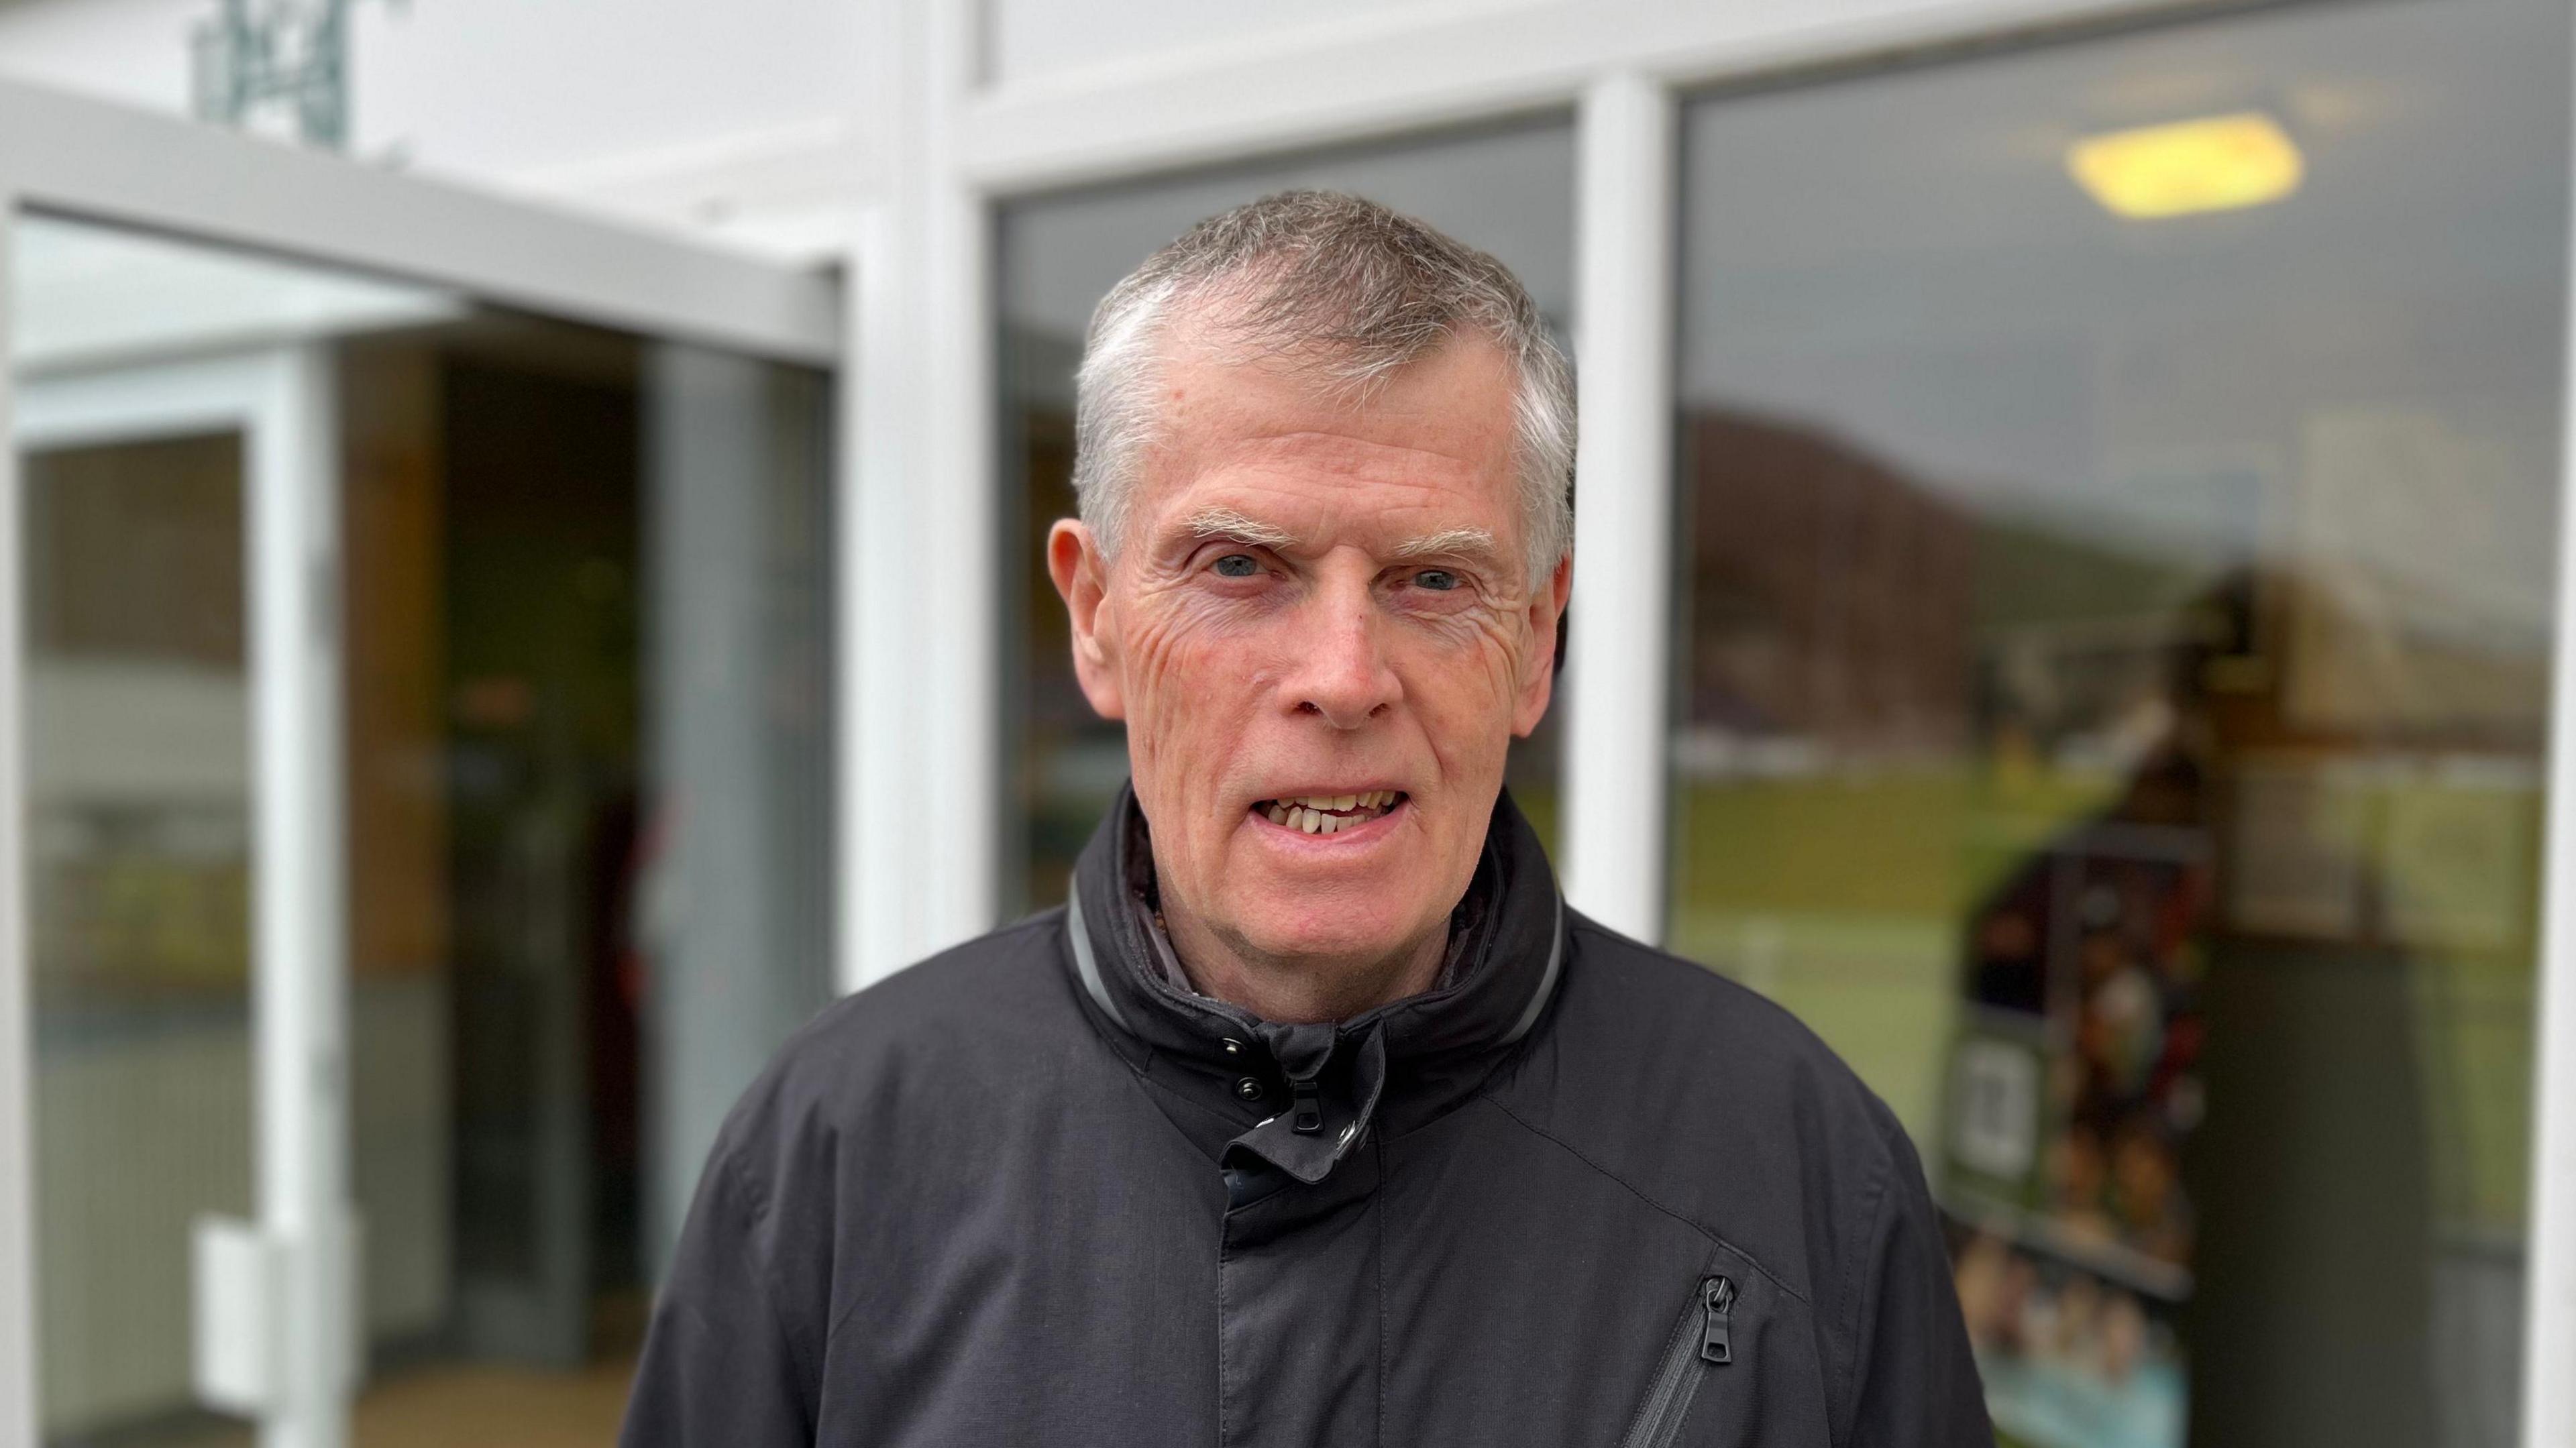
<point x="592" y="593"/>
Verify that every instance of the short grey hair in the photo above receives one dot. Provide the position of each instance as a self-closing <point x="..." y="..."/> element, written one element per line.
<point x="1347" y="285"/>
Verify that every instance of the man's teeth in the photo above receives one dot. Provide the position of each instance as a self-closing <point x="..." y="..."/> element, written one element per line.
<point x="1324" y="814"/>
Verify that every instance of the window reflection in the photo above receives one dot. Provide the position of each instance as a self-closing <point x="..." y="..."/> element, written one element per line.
<point x="1508" y="192"/>
<point x="2112" y="684"/>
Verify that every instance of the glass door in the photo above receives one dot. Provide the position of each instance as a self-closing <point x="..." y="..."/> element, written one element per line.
<point x="424" y="720"/>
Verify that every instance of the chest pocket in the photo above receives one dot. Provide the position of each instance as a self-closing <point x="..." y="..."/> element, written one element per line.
<point x="1700" y="1347"/>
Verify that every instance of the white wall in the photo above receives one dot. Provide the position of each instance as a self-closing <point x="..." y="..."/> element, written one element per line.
<point x="732" y="118"/>
<point x="1029" y="39"/>
<point x="134" y="51"/>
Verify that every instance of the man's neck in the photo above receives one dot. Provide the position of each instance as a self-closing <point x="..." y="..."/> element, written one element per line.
<point x="1291" y="990"/>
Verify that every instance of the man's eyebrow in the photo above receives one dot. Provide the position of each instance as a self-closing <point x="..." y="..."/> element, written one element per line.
<point x="1227" y="523"/>
<point x="1450" y="542"/>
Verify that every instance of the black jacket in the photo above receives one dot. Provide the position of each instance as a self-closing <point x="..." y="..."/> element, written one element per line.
<point x="1583" y="1193"/>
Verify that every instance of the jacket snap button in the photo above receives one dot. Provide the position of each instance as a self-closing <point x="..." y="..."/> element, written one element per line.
<point x="1232" y="1046"/>
<point x="1248" y="1088"/>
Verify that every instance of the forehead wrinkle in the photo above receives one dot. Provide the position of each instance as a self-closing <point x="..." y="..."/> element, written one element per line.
<point x="1349" y="447"/>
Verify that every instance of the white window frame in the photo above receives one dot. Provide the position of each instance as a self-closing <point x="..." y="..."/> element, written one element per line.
<point x="84" y="159"/>
<point x="922" y="733"/>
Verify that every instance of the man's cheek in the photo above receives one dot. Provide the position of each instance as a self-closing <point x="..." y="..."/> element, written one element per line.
<point x="1468" y="688"/>
<point x="1178" y="677"/>
<point x="1182" y="687"/>
<point x="1177" y="636"/>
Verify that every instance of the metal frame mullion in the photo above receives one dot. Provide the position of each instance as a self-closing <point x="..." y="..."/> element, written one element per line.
<point x="920" y="702"/>
<point x="17" y="987"/>
<point x="1615" y="688"/>
<point x="2549" y="1335"/>
<point x="299" y="914"/>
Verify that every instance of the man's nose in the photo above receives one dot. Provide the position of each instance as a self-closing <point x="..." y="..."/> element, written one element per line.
<point x="1341" y="670"/>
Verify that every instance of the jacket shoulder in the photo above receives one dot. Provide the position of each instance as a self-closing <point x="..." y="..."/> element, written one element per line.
<point x="1703" y="1032"/>
<point x="1714" y="1102"/>
<point x="966" y="1030"/>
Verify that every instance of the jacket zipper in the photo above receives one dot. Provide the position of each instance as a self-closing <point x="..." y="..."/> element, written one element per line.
<point x="1309" y="1099"/>
<point x="1699" y="1340"/>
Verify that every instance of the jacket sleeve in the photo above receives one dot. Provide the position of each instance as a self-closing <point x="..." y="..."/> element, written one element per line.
<point x="1914" y="1380"/>
<point x="720" y="1367"/>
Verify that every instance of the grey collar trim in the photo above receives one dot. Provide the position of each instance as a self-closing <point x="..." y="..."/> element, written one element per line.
<point x="1547" y="980"/>
<point x="1084" y="962"/>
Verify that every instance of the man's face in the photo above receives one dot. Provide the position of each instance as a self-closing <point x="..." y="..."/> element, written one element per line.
<point x="1318" y="601"/>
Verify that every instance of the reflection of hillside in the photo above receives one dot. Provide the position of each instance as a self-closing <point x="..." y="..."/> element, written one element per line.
<point x="2030" y="574"/>
<point x="1830" y="596"/>
<point x="1840" y="609"/>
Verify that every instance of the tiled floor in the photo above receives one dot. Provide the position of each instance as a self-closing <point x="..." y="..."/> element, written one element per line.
<point x="462" y="1406"/>
<point x="495" y="1407"/>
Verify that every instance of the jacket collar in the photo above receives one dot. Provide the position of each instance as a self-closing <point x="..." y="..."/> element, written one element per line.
<point x="1321" y="1087"/>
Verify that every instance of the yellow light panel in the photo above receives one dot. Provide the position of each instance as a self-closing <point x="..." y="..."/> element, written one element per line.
<point x="2217" y="163"/>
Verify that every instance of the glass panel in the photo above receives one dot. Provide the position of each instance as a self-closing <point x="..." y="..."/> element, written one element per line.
<point x="585" y="610"/>
<point x="139" y="834"/>
<point x="1508" y="192"/>
<point x="2114" y="628"/>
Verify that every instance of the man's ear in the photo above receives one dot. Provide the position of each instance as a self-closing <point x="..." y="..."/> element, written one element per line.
<point x="1081" y="576"/>
<point x="1538" y="671"/>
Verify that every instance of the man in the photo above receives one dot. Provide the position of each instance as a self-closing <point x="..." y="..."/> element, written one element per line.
<point x="1315" y="1117"/>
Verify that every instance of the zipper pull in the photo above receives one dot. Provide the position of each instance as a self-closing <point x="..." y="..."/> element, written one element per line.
<point x="1716" y="1298"/>
<point x="1309" y="1117"/>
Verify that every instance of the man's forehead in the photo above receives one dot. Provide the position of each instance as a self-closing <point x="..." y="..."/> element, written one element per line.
<point x="1261" y="447"/>
<point x="1461" y="393"/>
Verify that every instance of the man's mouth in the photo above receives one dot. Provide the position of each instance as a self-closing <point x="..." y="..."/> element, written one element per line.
<point x="1324" y="814"/>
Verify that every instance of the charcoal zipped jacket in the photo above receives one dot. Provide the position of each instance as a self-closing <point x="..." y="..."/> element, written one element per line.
<point x="1034" y="1190"/>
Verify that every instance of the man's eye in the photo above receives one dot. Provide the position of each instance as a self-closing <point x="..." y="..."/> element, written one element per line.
<point x="1440" y="580"/>
<point x="1237" y="565"/>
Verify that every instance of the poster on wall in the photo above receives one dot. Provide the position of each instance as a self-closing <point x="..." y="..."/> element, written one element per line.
<point x="2074" y="1087"/>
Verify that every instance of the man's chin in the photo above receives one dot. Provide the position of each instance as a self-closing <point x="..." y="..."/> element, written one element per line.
<point x="1325" y="938"/>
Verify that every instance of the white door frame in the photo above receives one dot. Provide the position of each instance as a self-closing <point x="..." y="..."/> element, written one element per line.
<point x="921" y="732"/>
<point x="18" y="1304"/>
<point x="81" y="158"/>
<point x="2549" y="1336"/>
<point x="85" y="158"/>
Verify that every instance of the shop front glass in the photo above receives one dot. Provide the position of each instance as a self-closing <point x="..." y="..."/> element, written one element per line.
<point x="2117" y="486"/>
<point x="1509" y="192"/>
<point x="582" y="612"/>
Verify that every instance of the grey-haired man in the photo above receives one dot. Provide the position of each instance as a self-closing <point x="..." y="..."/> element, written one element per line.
<point x="1315" y="1117"/>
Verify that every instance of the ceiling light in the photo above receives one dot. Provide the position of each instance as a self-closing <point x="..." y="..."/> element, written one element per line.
<point x="2216" y="163"/>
